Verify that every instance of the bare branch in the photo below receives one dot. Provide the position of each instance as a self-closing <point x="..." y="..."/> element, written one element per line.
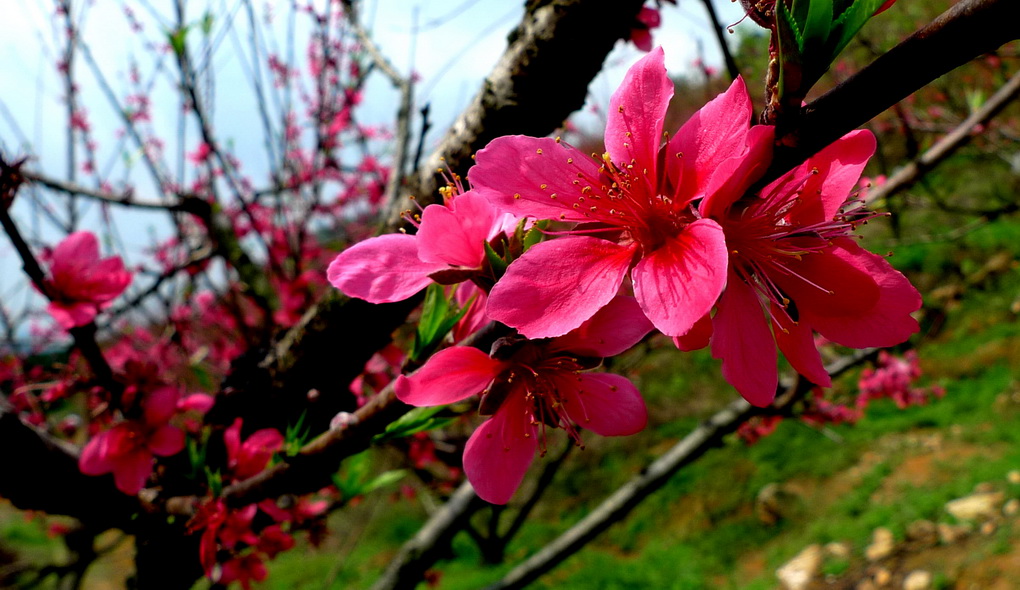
<point x="427" y="546"/>
<point x="406" y="88"/>
<point x="126" y="198"/>
<point x="906" y="176"/>
<point x="614" y="508"/>
<point x="39" y="471"/>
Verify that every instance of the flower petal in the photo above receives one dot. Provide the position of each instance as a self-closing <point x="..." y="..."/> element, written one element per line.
<point x="681" y="281"/>
<point x="888" y="322"/>
<point x="132" y="470"/>
<point x="732" y="177"/>
<point x="456" y="235"/>
<point x="825" y="180"/>
<point x="796" y="342"/>
<point x="166" y="441"/>
<point x="383" y="269"/>
<point x="161" y="405"/>
<point x="451" y="375"/>
<point x="95" y="457"/>
<point x="712" y="135"/>
<point x="500" y="451"/>
<point x="71" y="314"/>
<point x="827" y="285"/>
<point x="533" y="176"/>
<point x="606" y="404"/>
<point x="741" y="338"/>
<point x="697" y="337"/>
<point x="559" y="284"/>
<point x="636" y="113"/>
<point x="612" y="330"/>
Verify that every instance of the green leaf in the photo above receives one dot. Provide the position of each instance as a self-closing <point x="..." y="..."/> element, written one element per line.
<point x="417" y="420"/>
<point x="495" y="261"/>
<point x="438" y="317"/>
<point x="787" y="24"/>
<point x="817" y="24"/>
<point x="384" y="479"/>
<point x="353" y="478"/>
<point x="535" y="235"/>
<point x="207" y="23"/>
<point x="849" y="23"/>
<point x="214" y="480"/>
<point x="296" y="436"/>
<point x="177" y="39"/>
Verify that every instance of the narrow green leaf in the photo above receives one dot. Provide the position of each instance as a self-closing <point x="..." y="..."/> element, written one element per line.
<point x="850" y="22"/>
<point x="384" y="479"/>
<point x="430" y="330"/>
<point x="207" y="23"/>
<point x="495" y="261"/>
<point x="417" y="420"/>
<point x="535" y="235"/>
<point x="817" y="24"/>
<point x="177" y="39"/>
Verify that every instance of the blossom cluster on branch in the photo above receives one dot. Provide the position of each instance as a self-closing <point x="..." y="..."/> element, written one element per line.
<point x="674" y="231"/>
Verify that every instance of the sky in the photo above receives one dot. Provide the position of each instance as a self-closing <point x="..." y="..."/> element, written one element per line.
<point x="449" y="45"/>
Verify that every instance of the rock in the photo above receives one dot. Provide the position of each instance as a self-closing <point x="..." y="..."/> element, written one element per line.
<point x="923" y="532"/>
<point x="988" y="528"/>
<point x="951" y="533"/>
<point x="975" y="507"/>
<point x="1013" y="476"/>
<point x="838" y="550"/>
<point x="866" y="584"/>
<point x="1011" y="508"/>
<point x="774" y="503"/>
<point x="882" y="544"/>
<point x="918" y="580"/>
<point x="984" y="487"/>
<point x="882" y="577"/>
<point x="797" y="573"/>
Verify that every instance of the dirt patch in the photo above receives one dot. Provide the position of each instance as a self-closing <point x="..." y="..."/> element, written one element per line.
<point x="935" y="465"/>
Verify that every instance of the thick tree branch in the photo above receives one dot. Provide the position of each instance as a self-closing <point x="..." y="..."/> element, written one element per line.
<point x="967" y="30"/>
<point x="540" y="79"/>
<point x="41" y="473"/>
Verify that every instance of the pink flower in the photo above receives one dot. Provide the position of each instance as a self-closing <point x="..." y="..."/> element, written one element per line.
<point x="641" y="32"/>
<point x="528" y="385"/>
<point x="795" y="268"/>
<point x="247" y="458"/>
<point x="894" y="378"/>
<point x="80" y="283"/>
<point x="634" y="209"/>
<point x="394" y="267"/>
<point x="128" y="448"/>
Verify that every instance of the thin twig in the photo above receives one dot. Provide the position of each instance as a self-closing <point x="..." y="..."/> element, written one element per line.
<point x="406" y="88"/>
<point x="731" y="64"/>
<point x="907" y="175"/>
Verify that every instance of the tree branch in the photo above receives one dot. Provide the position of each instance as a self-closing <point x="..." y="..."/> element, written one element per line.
<point x="967" y="30"/>
<point x="431" y="541"/>
<point x="907" y="175"/>
<point x="540" y="79"/>
<point x="617" y="506"/>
